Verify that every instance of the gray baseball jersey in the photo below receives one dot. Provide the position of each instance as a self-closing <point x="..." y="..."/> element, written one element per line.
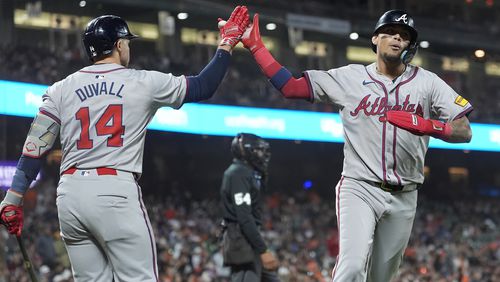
<point x="104" y="110"/>
<point x="375" y="225"/>
<point x="378" y="151"/>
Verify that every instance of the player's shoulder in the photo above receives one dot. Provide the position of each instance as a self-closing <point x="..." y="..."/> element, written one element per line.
<point x="56" y="86"/>
<point x="348" y="69"/>
<point x="58" y="83"/>
<point x="63" y="82"/>
<point x="356" y="67"/>
<point x="69" y="78"/>
<point x="422" y="72"/>
<point x="150" y="73"/>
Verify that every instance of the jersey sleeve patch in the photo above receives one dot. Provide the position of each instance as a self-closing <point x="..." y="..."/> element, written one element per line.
<point x="41" y="137"/>
<point x="461" y="101"/>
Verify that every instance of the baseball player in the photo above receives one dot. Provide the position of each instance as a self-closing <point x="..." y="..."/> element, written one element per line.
<point x="389" y="110"/>
<point x="244" y="248"/>
<point x="101" y="113"/>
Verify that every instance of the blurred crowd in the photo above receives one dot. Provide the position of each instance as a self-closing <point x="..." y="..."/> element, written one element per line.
<point x="452" y="240"/>
<point x="244" y="85"/>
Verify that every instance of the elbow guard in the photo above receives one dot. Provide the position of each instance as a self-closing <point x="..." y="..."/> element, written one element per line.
<point x="41" y="137"/>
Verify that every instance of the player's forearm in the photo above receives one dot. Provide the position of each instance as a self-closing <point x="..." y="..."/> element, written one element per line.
<point x="460" y="131"/>
<point x="11" y="198"/>
<point x="40" y="139"/>
<point x="26" y="171"/>
<point x="268" y="65"/>
<point x="457" y="131"/>
<point x="280" y="77"/>
<point x="204" y="85"/>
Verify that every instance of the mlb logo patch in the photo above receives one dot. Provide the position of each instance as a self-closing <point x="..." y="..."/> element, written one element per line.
<point x="461" y="101"/>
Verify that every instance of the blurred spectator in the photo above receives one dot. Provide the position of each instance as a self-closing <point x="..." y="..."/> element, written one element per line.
<point x="455" y="240"/>
<point x="45" y="247"/>
<point x="247" y="87"/>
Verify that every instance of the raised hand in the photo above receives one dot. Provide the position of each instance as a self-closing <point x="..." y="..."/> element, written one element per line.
<point x="251" y="38"/>
<point x="232" y="30"/>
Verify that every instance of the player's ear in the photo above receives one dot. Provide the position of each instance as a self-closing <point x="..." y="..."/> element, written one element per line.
<point x="119" y="45"/>
<point x="375" y="39"/>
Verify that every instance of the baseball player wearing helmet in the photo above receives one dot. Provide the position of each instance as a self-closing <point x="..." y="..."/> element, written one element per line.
<point x="101" y="113"/>
<point x="389" y="109"/>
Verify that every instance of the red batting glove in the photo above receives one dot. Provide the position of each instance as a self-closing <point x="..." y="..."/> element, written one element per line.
<point x="419" y="125"/>
<point x="251" y="38"/>
<point x="233" y="29"/>
<point x="12" y="218"/>
<point x="252" y="41"/>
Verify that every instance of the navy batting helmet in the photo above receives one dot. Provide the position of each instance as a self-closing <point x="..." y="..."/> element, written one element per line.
<point x="101" y="34"/>
<point x="401" y="18"/>
<point x="252" y="149"/>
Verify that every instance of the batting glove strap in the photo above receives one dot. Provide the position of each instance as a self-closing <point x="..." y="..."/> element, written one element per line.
<point x="229" y="41"/>
<point x="439" y="129"/>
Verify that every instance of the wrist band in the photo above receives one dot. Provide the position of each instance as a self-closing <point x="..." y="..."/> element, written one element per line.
<point x="281" y="78"/>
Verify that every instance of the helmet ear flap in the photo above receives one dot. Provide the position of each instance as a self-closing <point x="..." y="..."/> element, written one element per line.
<point x="408" y="54"/>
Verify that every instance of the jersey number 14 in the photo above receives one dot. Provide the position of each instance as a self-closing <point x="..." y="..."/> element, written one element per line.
<point x="110" y="123"/>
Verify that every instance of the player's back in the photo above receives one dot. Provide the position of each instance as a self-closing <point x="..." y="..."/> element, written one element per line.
<point x="104" y="110"/>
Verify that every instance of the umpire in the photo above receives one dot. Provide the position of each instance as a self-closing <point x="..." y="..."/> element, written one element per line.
<point x="244" y="249"/>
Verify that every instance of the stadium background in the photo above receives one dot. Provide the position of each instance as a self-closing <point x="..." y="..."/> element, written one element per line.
<point x="456" y="236"/>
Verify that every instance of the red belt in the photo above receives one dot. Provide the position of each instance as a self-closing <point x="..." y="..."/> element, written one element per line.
<point x="99" y="170"/>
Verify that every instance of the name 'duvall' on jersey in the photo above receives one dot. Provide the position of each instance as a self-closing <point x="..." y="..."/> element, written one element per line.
<point x="99" y="88"/>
